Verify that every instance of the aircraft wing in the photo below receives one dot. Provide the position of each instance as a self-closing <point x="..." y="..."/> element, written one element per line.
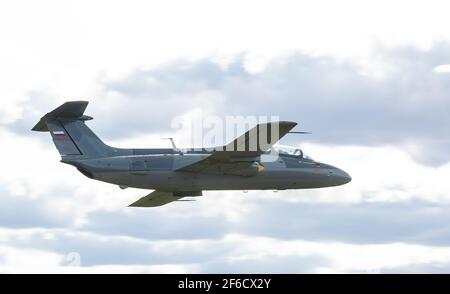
<point x="154" y="199"/>
<point x="239" y="157"/>
<point x="160" y="198"/>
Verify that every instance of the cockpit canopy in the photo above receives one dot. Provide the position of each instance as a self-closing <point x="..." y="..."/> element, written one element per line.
<point x="291" y="150"/>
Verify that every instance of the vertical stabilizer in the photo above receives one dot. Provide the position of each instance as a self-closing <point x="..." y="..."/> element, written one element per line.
<point x="70" y="134"/>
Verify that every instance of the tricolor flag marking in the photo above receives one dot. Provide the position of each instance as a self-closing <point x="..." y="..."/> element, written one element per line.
<point x="59" y="134"/>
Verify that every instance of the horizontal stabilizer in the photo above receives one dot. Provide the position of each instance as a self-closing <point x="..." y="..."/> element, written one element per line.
<point x="72" y="110"/>
<point x="70" y="134"/>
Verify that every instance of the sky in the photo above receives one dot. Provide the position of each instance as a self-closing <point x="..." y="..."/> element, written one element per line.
<point x="369" y="79"/>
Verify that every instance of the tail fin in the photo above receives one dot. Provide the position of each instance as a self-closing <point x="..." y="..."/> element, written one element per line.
<point x="69" y="132"/>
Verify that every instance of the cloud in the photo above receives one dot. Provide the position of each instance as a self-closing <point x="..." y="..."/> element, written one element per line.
<point x="405" y="204"/>
<point x="388" y="130"/>
<point x="15" y="260"/>
<point x="375" y="96"/>
<point x="231" y="253"/>
<point x="409" y="100"/>
<point x="429" y="268"/>
<point x="19" y="212"/>
<point x="364" y="223"/>
<point x="443" y="68"/>
<point x="336" y="100"/>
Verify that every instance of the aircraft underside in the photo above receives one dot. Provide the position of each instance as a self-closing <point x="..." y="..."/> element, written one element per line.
<point x="182" y="181"/>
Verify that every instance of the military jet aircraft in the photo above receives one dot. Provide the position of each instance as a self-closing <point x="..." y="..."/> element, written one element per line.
<point x="174" y="173"/>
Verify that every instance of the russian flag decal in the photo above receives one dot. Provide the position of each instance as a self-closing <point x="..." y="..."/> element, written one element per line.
<point x="59" y="134"/>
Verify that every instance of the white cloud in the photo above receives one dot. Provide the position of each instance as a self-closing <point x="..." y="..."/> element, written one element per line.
<point x="64" y="46"/>
<point x="55" y="51"/>
<point x="15" y="260"/>
<point x="381" y="174"/>
<point x="235" y="253"/>
<point x="443" y="68"/>
<point x="342" y="257"/>
<point x="36" y="176"/>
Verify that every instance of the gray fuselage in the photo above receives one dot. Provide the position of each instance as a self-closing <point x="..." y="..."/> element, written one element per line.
<point x="155" y="169"/>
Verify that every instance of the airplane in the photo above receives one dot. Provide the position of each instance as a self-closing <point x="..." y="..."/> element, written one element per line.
<point x="176" y="173"/>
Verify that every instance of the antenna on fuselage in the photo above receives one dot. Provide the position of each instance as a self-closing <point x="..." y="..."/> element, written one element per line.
<point x="173" y="145"/>
<point x="307" y="133"/>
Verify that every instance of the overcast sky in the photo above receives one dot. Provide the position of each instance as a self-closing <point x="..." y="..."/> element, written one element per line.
<point x="369" y="79"/>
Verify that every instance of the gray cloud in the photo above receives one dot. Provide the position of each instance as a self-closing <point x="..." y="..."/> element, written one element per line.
<point x="427" y="268"/>
<point x="363" y="223"/>
<point x="328" y="97"/>
<point x="23" y="212"/>
<point x="159" y="224"/>
<point x="409" y="222"/>
<point x="211" y="256"/>
<point x="415" y="222"/>
<point x="131" y="237"/>
<point x="332" y="99"/>
<point x="268" y="265"/>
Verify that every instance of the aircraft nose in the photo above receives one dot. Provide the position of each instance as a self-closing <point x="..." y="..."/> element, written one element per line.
<point x="343" y="177"/>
